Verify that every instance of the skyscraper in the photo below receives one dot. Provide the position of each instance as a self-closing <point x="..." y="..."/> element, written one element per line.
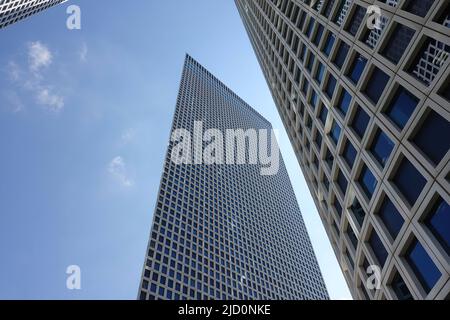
<point x="365" y="100"/>
<point x="12" y="11"/>
<point x="225" y="231"/>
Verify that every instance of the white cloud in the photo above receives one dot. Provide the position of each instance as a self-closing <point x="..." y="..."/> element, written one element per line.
<point x="52" y="101"/>
<point x="14" y="71"/>
<point x="117" y="168"/>
<point x="127" y="136"/>
<point x="38" y="56"/>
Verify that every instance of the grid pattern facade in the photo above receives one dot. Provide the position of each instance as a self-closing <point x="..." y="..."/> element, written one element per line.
<point x="12" y="11"/>
<point x="224" y="231"/>
<point x="367" y="112"/>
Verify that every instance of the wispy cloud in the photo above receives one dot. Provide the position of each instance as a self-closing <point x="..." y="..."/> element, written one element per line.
<point x="127" y="136"/>
<point x="39" y="56"/>
<point x="117" y="168"/>
<point x="83" y="52"/>
<point x="13" y="101"/>
<point x="30" y="78"/>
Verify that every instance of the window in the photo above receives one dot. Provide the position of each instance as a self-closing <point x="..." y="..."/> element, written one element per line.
<point x="323" y="114"/>
<point x="376" y="85"/>
<point x="329" y="159"/>
<point x="358" y="65"/>
<point x="349" y="154"/>
<point x="398" y="43"/>
<point x="342" y="182"/>
<point x="392" y="219"/>
<point x="356" y="20"/>
<point x="381" y="147"/>
<point x="344" y="102"/>
<point x="310" y="27"/>
<point x="418" y="7"/>
<point x="351" y="235"/>
<point x="358" y="211"/>
<point x="360" y="122"/>
<point x="399" y="287"/>
<point x="378" y="248"/>
<point x="438" y="222"/>
<point x="329" y="44"/>
<point x="429" y="60"/>
<point x="318" y="35"/>
<point x="331" y="85"/>
<point x="402" y="106"/>
<point x="409" y="181"/>
<point x="319" y="73"/>
<point x="434" y="128"/>
<point x="367" y="181"/>
<point x="422" y="265"/>
<point x="341" y="55"/>
<point x="335" y="132"/>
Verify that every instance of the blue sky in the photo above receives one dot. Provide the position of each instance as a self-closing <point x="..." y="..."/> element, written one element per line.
<point x="85" y="119"/>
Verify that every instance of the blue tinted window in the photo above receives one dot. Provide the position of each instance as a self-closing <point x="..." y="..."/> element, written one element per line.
<point x="331" y="85"/>
<point x="382" y="147"/>
<point x="349" y="154"/>
<point x="341" y="55"/>
<point x="376" y="85"/>
<point x="433" y="129"/>
<point x="438" y="221"/>
<point x="378" y="248"/>
<point x="342" y="181"/>
<point x="310" y="27"/>
<point x="335" y="132"/>
<point x="360" y="122"/>
<point x="344" y="102"/>
<point x="318" y="35"/>
<point x="338" y="207"/>
<point x="357" y="68"/>
<point x="401" y="107"/>
<point x="320" y="72"/>
<point x="409" y="181"/>
<point x="352" y="237"/>
<point x="329" y="159"/>
<point x="313" y="99"/>
<point x="424" y="268"/>
<point x="418" y="7"/>
<point x="329" y="44"/>
<point x="367" y="181"/>
<point x="391" y="218"/>
<point x="323" y="114"/>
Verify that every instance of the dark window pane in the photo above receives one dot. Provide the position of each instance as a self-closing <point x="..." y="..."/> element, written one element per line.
<point x="318" y="35"/>
<point x="398" y="43"/>
<point x="376" y="85"/>
<point x="357" y="68"/>
<point x="329" y="159"/>
<point x="418" y="7"/>
<point x="342" y="182"/>
<point x="368" y="182"/>
<point x="424" y="268"/>
<point x="434" y="128"/>
<point x="358" y="211"/>
<point x="331" y="85"/>
<point x="402" y="106"/>
<point x="438" y="221"/>
<point x="409" y="181"/>
<point x="382" y="147"/>
<point x="360" y="122"/>
<point x="356" y="20"/>
<point x="349" y="154"/>
<point x="341" y="55"/>
<point x="378" y="248"/>
<point x="401" y="290"/>
<point x="352" y="237"/>
<point x="391" y="218"/>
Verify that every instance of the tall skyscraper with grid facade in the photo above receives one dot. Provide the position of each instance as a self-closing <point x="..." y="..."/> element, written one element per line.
<point x="223" y="231"/>
<point x="365" y="101"/>
<point x="12" y="11"/>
